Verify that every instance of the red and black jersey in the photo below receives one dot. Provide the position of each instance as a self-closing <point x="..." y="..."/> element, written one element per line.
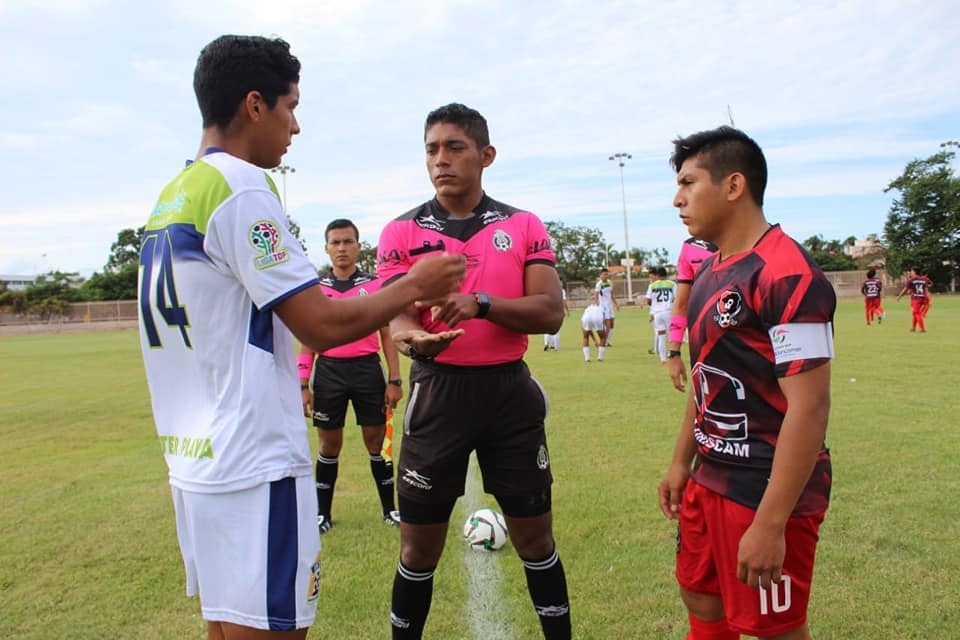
<point x="871" y="288"/>
<point x="919" y="287"/>
<point x="754" y="318"/>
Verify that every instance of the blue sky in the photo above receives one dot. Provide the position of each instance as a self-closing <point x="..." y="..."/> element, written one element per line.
<point x="100" y="113"/>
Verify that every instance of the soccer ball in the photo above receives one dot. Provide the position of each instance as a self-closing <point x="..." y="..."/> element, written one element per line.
<point x="485" y="529"/>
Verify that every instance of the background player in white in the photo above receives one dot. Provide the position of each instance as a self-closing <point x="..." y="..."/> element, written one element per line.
<point x="604" y="298"/>
<point x="661" y="294"/>
<point x="552" y="340"/>
<point x="591" y="323"/>
<point x="223" y="283"/>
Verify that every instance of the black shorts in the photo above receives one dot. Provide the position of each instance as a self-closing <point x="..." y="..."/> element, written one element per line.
<point x="357" y="380"/>
<point x="497" y="411"/>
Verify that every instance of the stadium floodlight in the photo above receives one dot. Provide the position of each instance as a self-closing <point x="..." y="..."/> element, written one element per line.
<point x="620" y="158"/>
<point x="283" y="170"/>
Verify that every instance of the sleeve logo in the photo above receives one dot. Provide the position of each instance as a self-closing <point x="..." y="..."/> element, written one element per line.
<point x="265" y="238"/>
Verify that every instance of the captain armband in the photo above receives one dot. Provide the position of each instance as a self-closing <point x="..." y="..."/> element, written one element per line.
<point x="678" y="324"/>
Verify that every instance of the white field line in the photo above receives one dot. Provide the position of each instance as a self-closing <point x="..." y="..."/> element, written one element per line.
<point x="485" y="602"/>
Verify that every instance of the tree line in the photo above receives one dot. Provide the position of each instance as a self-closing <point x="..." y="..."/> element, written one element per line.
<point x="922" y="230"/>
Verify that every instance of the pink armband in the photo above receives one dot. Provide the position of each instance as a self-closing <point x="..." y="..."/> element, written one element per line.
<point x="304" y="365"/>
<point x="678" y="324"/>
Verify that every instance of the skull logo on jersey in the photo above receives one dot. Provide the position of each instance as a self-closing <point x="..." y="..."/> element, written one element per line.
<point x="729" y="306"/>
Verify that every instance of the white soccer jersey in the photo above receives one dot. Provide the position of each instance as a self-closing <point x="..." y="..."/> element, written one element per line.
<point x="661" y="294"/>
<point x="604" y="294"/>
<point x="217" y="256"/>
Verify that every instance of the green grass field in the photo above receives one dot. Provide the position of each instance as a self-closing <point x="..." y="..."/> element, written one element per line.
<point x="89" y="550"/>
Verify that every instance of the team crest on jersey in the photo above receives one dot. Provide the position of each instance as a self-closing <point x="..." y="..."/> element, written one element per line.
<point x="543" y="458"/>
<point x="488" y="217"/>
<point x="362" y="292"/>
<point x="265" y="237"/>
<point x="431" y="222"/>
<point x="729" y="306"/>
<point x="502" y="240"/>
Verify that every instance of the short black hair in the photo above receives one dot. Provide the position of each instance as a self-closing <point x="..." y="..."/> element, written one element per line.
<point x="871" y="273"/>
<point x="341" y="223"/>
<point x="231" y="66"/>
<point x="723" y="151"/>
<point x="662" y="272"/>
<point x="470" y="120"/>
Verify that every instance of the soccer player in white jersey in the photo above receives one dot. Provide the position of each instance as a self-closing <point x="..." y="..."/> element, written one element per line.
<point x="660" y="297"/>
<point x="604" y="298"/>
<point x="224" y="288"/>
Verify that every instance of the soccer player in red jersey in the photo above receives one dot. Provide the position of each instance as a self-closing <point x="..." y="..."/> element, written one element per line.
<point x="750" y="477"/>
<point x="693" y="253"/>
<point x="350" y="373"/>
<point x="918" y="286"/>
<point x="470" y="388"/>
<point x="871" y="290"/>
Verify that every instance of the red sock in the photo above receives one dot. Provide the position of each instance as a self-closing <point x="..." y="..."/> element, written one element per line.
<point x="716" y="630"/>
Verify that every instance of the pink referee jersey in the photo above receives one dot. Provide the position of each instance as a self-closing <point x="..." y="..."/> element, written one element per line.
<point x="358" y="284"/>
<point x="693" y="253"/>
<point x="499" y="241"/>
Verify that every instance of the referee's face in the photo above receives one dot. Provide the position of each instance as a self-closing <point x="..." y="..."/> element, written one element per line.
<point x="343" y="248"/>
<point x="701" y="202"/>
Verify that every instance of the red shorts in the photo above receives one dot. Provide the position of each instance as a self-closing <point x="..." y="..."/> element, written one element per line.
<point x="708" y="538"/>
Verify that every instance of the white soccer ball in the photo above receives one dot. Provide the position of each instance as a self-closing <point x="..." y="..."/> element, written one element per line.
<point x="485" y="529"/>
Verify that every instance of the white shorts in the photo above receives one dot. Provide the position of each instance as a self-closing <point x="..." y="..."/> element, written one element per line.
<point x="607" y="310"/>
<point x="253" y="555"/>
<point x="661" y="320"/>
<point x="592" y="319"/>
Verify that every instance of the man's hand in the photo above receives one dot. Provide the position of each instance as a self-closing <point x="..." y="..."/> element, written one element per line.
<point x="678" y="373"/>
<point x="425" y="343"/>
<point x="438" y="276"/>
<point x="760" y="556"/>
<point x="306" y="398"/>
<point x="671" y="490"/>
<point x="392" y="396"/>
<point x="455" y="308"/>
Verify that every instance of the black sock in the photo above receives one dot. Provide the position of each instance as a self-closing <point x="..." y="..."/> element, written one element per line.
<point x="412" y="593"/>
<point x="547" y="584"/>
<point x="326" y="476"/>
<point x="382" y="470"/>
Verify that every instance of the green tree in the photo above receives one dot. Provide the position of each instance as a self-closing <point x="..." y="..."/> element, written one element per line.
<point x="50" y="295"/>
<point x="125" y="250"/>
<point x="119" y="278"/>
<point x="580" y="250"/>
<point x="923" y="226"/>
<point x="829" y="254"/>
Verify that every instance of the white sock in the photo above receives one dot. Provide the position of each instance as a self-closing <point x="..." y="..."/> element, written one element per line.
<point x="600" y="351"/>
<point x="609" y="334"/>
<point x="662" y="347"/>
<point x="586" y="354"/>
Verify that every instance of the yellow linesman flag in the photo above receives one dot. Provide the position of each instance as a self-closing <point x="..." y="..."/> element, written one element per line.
<point x="387" y="449"/>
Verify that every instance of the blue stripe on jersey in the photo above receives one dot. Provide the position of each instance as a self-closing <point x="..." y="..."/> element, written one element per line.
<point x="261" y="329"/>
<point x="282" y="555"/>
<point x="306" y="285"/>
<point x="187" y="242"/>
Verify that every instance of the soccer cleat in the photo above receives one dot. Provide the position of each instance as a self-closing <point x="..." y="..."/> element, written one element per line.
<point x="392" y="518"/>
<point x="881" y="317"/>
<point x="324" y="523"/>
<point x="545" y="347"/>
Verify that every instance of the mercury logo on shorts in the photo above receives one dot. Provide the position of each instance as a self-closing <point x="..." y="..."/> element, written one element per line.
<point x="543" y="459"/>
<point x="415" y="479"/>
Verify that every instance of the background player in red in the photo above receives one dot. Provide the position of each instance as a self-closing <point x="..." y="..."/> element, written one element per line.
<point x="692" y="254"/>
<point x="350" y="373"/>
<point x="871" y="290"/>
<point x="470" y="389"/>
<point x="760" y="321"/>
<point x="918" y="286"/>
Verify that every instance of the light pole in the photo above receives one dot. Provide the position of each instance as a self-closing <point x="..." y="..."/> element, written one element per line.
<point x="620" y="158"/>
<point x="283" y="170"/>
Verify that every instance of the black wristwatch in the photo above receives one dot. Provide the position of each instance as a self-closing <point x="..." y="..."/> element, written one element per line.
<point x="483" y="304"/>
<point x="397" y="382"/>
<point x="674" y="354"/>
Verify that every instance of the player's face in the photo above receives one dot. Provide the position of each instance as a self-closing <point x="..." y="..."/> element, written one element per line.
<point x="701" y="202"/>
<point x="343" y="248"/>
<point x="454" y="161"/>
<point x="275" y="128"/>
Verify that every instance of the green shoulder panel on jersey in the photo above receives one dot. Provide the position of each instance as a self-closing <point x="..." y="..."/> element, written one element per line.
<point x="192" y="197"/>
<point x="662" y="284"/>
